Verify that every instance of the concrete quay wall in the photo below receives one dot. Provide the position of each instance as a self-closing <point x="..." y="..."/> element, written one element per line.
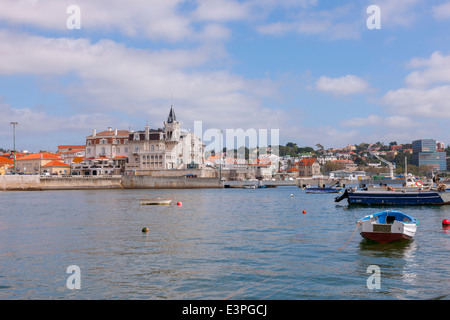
<point x="38" y="183"/>
<point x="19" y="183"/>
<point x="149" y="182"/>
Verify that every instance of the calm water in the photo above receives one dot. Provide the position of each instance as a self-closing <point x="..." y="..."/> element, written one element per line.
<point x="221" y="244"/>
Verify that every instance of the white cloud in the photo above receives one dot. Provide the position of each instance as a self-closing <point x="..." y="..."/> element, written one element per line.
<point x="349" y="84"/>
<point x="336" y="23"/>
<point x="427" y="92"/>
<point x="110" y="77"/>
<point x="437" y="70"/>
<point x="221" y="10"/>
<point x="399" y="12"/>
<point x="37" y="122"/>
<point x="441" y="11"/>
<point x="428" y="103"/>
<point x="394" y="121"/>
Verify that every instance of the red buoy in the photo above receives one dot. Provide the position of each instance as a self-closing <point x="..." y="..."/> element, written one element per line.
<point x="446" y="222"/>
<point x="179" y="204"/>
<point x="304" y="211"/>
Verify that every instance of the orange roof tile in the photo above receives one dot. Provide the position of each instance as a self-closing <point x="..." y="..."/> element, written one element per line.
<point x="72" y="146"/>
<point x="43" y="156"/>
<point x="307" y="161"/>
<point x="4" y="160"/>
<point x="56" y="163"/>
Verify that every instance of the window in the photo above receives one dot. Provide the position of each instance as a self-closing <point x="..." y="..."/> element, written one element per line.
<point x="152" y="147"/>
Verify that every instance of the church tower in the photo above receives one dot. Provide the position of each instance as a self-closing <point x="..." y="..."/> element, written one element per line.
<point x="172" y="127"/>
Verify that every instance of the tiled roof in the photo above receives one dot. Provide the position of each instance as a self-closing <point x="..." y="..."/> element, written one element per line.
<point x="307" y="161"/>
<point x="43" y="156"/>
<point x="108" y="133"/>
<point x="56" y="163"/>
<point x="4" y="160"/>
<point x="72" y="147"/>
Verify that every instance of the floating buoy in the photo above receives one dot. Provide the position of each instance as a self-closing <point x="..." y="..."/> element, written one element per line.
<point x="304" y="211"/>
<point x="292" y="195"/>
<point x="446" y="222"/>
<point x="179" y="204"/>
<point x="145" y="229"/>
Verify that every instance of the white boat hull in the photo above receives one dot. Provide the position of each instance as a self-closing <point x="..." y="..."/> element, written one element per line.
<point x="396" y="231"/>
<point x="155" y="201"/>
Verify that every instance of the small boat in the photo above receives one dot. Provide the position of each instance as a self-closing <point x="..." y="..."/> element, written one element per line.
<point x="250" y="186"/>
<point x="155" y="201"/>
<point x="323" y="190"/>
<point x="388" y="226"/>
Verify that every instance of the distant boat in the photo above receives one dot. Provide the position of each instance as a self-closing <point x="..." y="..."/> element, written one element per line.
<point x="155" y="201"/>
<point x="394" y="197"/>
<point x="323" y="190"/>
<point x="388" y="226"/>
<point x="249" y="186"/>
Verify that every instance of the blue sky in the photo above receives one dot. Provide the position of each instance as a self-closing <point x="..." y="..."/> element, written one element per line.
<point x="310" y="68"/>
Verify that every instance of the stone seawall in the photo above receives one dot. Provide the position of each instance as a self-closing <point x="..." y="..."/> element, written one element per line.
<point x="149" y="182"/>
<point x="20" y="183"/>
<point x="38" y="183"/>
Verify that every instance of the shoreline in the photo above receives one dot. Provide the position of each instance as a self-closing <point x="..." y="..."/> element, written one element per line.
<point x="52" y="183"/>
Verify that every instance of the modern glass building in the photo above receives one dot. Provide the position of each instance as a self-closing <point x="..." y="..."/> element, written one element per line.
<point x="424" y="145"/>
<point x="425" y="154"/>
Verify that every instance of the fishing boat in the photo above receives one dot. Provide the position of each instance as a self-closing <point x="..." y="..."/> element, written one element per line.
<point x="388" y="226"/>
<point x="394" y="197"/>
<point x="155" y="201"/>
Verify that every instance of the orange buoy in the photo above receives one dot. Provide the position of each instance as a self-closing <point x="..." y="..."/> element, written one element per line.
<point x="145" y="229"/>
<point x="303" y="211"/>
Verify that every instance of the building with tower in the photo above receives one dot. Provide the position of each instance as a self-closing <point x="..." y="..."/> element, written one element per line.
<point x="164" y="148"/>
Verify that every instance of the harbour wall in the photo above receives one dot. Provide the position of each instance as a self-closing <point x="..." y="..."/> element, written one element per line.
<point x="149" y="182"/>
<point x="38" y="183"/>
<point x="42" y="183"/>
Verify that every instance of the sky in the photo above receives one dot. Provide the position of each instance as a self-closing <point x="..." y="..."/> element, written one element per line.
<point x="320" y="71"/>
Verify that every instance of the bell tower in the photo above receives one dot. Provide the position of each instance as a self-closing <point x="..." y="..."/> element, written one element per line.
<point x="172" y="127"/>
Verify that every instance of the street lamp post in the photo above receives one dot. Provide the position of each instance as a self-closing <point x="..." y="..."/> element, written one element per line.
<point x="14" y="124"/>
<point x="220" y="163"/>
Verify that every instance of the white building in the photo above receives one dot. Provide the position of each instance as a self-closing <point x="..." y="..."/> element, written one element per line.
<point x="106" y="152"/>
<point x="167" y="148"/>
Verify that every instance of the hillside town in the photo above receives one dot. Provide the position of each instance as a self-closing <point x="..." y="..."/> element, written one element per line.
<point x="173" y="151"/>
